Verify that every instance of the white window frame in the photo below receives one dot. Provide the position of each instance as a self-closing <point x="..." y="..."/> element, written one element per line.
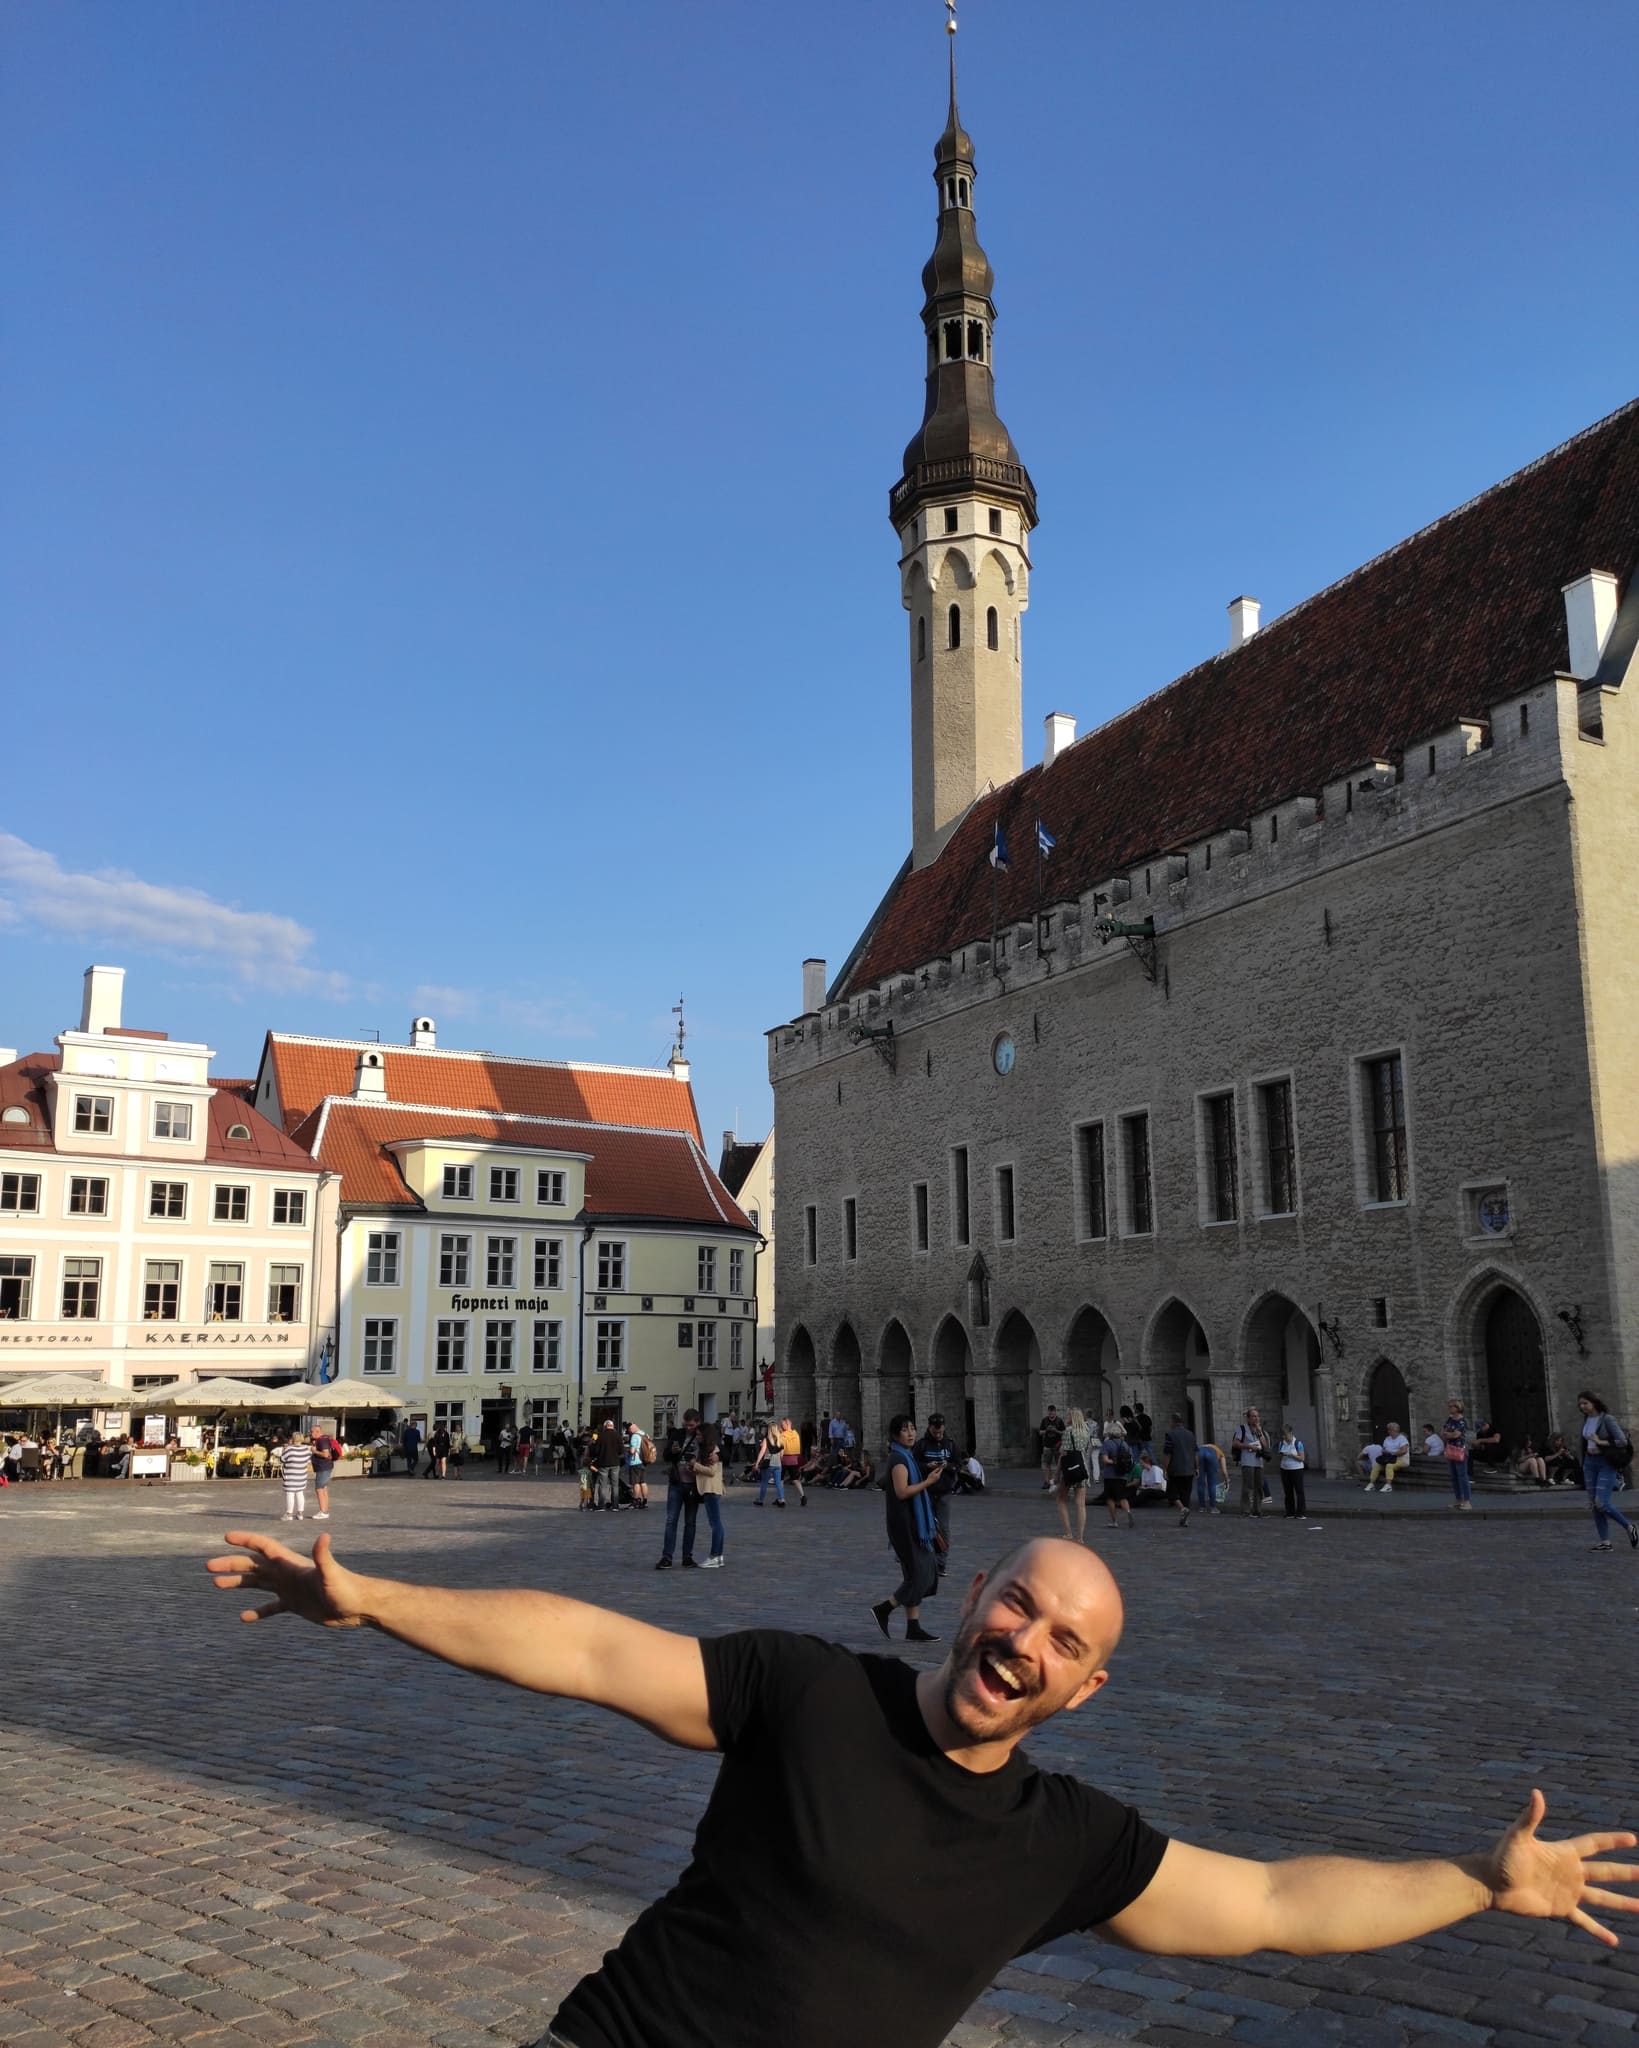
<point x="455" y="1253"/>
<point x="89" y="1128"/>
<point x="609" y="1331"/>
<point x="289" y="1196"/>
<point x="705" y="1346"/>
<point x="180" y="1283"/>
<point x="171" y="1111"/>
<point x="299" y="1284"/>
<point x="80" y="1280"/>
<point x="452" y="1414"/>
<point x="500" y="1345"/>
<point x="230" y="1188"/>
<point x="376" y="1331"/>
<point x="19" y="1207"/>
<point x="166" y="1215"/>
<point x="500" y="1263"/>
<point x="1262" y="1198"/>
<point x="500" y="1179"/>
<point x="705" y="1269"/>
<point x="546" y="1255"/>
<point x="212" y="1283"/>
<point x="458" y="1193"/>
<point x="382" y="1250"/>
<point x="611" y="1265"/>
<point x="551" y="1187"/>
<point x="546" y="1345"/>
<point x="87" y="1181"/>
<point x="736" y="1347"/>
<point x="737" y="1270"/>
<point x="25" y="1310"/>
<point x="454" y="1334"/>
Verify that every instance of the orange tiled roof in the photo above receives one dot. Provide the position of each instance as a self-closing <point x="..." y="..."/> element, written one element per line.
<point x="23" y="1084"/>
<point x="307" y="1070"/>
<point x="658" y="1176"/>
<point x="1456" y="619"/>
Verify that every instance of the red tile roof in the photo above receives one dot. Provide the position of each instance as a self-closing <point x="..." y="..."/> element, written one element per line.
<point x="660" y="1176"/>
<point x="23" y="1084"/>
<point x="1454" y="620"/>
<point x="307" y="1070"/>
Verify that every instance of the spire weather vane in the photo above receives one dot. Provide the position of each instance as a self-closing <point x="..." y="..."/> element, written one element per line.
<point x="950" y="17"/>
<point x="677" y="1012"/>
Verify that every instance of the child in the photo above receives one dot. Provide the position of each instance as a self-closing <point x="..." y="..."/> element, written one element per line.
<point x="295" y="1463"/>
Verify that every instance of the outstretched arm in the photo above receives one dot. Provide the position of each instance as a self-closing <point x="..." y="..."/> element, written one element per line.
<point x="537" y="1640"/>
<point x="1203" y="1904"/>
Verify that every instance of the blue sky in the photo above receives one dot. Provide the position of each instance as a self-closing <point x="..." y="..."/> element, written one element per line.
<point x="443" y="549"/>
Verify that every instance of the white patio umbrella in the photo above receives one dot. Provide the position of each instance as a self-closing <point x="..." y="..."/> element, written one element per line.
<point x="219" y="1396"/>
<point x="344" y="1396"/>
<point x="60" y="1390"/>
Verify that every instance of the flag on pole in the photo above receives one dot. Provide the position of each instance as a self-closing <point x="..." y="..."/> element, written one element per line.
<point x="998" y="852"/>
<point x="1045" y="842"/>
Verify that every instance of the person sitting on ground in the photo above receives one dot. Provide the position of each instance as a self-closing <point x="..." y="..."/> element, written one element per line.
<point x="1394" y="1455"/>
<point x="1152" y="1481"/>
<point x="862" y="1472"/>
<point x="1433" y="1443"/>
<point x="1529" y="1463"/>
<point x="1561" y="1461"/>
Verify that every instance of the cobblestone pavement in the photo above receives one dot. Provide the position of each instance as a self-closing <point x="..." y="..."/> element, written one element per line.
<point x="222" y="1835"/>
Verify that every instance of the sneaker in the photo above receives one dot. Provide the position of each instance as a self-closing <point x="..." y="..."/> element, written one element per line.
<point x="1371" y="1486"/>
<point x="1388" y="1489"/>
<point x="778" y="1503"/>
<point x="287" y="1518"/>
<point x="664" y="1565"/>
<point x="916" y="1633"/>
<point x="711" y="1564"/>
<point x="689" y="1565"/>
<point x="880" y="1613"/>
<point x="1466" y="1506"/>
<point x="1599" y="1546"/>
<point x="322" y="1518"/>
<point x="1633" y="1537"/>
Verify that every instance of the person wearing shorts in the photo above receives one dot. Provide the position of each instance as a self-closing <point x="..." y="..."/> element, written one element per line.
<point x="1115" y="1467"/>
<point x="1181" y="1455"/>
<point x="635" y="1480"/>
<point x="325" y="1451"/>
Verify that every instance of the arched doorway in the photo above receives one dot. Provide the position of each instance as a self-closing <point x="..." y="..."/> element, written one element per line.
<point x="1016" y="1381"/>
<point x="1092" y="1361"/>
<point x="952" y="1375"/>
<point x="1516" y="1376"/>
<point x="1280" y="1375"/>
<point x="1388" y="1399"/>
<point x="894" y="1391"/>
<point x="1178" y="1369"/>
<point x="795" y="1395"/>
<point x="844" y="1384"/>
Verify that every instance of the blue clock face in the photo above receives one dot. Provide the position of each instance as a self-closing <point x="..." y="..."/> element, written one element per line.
<point x="1002" y="1054"/>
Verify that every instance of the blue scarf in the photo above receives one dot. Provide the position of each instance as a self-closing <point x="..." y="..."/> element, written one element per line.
<point x="920" y="1506"/>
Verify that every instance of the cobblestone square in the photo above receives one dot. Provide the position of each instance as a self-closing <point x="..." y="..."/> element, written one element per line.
<point x="223" y="1835"/>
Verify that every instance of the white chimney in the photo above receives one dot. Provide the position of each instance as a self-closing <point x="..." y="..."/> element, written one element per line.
<point x="7" y="1054"/>
<point x="1243" y="621"/>
<point x="422" y="1035"/>
<point x="104" y="992"/>
<point x="1590" y="613"/>
<point x="813" y="987"/>
<point x="678" y="1064"/>
<point x="370" y="1076"/>
<point x="1061" y="733"/>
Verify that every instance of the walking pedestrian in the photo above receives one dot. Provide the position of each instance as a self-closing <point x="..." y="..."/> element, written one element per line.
<point x="326" y="1451"/>
<point x="791" y="1460"/>
<point x="1116" y="1469"/>
<point x="505" y="1437"/>
<point x="410" y="1444"/>
<point x="1291" y="1456"/>
<point x="912" y="1532"/>
<point x="1181" y="1458"/>
<point x="708" y="1484"/>
<point x="295" y="1461"/>
<point x="1049" y="1435"/>
<point x="771" y="1463"/>
<point x="608" y="1458"/>
<point x="1454" y="1436"/>
<point x="1075" y="1468"/>
<point x="1607" y="1453"/>
<point x="1024" y="1855"/>
<point x="682" y="1499"/>
<point x="936" y="1459"/>
<point x="439" y="1446"/>
<point x="1251" y="1446"/>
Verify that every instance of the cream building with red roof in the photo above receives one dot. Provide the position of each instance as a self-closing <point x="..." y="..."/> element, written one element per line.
<point x="154" y="1226"/>
<point x="540" y="1241"/>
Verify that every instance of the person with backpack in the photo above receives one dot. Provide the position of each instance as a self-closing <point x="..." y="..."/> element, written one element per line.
<point x="1074" y="1470"/>
<point x="1115" y="1466"/>
<point x="640" y="1452"/>
<point x="1050" y="1434"/>
<point x="325" y="1451"/>
<point x="1251" y="1446"/>
<point x="1607" y="1455"/>
<point x="1291" y="1454"/>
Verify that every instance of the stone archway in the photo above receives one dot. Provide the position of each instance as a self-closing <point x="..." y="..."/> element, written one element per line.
<point x="843" y="1388"/>
<point x="952" y="1378"/>
<point x="1388" y="1399"/>
<point x="794" y="1393"/>
<point x="1280" y="1375"/>
<point x="1178" y="1369"/>
<point x="893" y="1391"/>
<point x="1092" y="1360"/>
<point x="1516" y="1370"/>
<point x="1004" y="1417"/>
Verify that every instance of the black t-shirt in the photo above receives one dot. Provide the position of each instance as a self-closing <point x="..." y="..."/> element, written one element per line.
<point x="1052" y="1431"/>
<point x="914" y="1889"/>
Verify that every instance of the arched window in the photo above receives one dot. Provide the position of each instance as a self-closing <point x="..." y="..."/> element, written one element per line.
<point x="976" y="340"/>
<point x="953" y="341"/>
<point x="240" y="1131"/>
<point x="922" y="639"/>
<point x="993" y="630"/>
<point x="955" y="626"/>
<point x="961" y="191"/>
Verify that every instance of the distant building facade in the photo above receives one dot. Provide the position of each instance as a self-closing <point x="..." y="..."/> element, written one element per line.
<point x="747" y="1171"/>
<point x="1303" y="1077"/>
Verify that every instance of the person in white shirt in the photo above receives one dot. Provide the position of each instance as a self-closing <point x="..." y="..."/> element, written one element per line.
<point x="1369" y="1455"/>
<point x="1394" y="1455"/>
<point x="1433" y="1442"/>
<point x="1290" y="1453"/>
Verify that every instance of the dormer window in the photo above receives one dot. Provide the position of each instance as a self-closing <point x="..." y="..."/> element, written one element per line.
<point x="14" y="1113"/>
<point x="240" y="1133"/>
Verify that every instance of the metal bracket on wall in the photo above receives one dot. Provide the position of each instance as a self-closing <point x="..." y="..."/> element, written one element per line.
<point x="881" y="1040"/>
<point x="1140" y="940"/>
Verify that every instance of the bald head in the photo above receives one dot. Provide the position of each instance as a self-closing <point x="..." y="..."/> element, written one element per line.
<point x="1079" y="1583"/>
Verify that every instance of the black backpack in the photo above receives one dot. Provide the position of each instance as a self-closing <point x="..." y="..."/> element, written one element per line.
<point x="1620" y="1455"/>
<point x="1123" y="1461"/>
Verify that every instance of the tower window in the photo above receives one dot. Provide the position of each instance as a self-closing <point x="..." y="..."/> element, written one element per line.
<point x="955" y="626"/>
<point x="953" y="341"/>
<point x="962" y="191"/>
<point x="976" y="340"/>
<point x="950" y="191"/>
<point x="993" y="630"/>
<point x="922" y="639"/>
<point x="995" y="520"/>
<point x="951" y="516"/>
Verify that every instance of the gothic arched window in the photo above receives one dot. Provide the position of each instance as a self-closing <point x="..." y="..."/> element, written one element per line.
<point x="955" y="626"/>
<point x="953" y="341"/>
<point x="993" y="630"/>
<point x="976" y="340"/>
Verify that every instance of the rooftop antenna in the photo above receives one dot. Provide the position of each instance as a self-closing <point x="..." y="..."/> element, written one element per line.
<point x="682" y="1032"/>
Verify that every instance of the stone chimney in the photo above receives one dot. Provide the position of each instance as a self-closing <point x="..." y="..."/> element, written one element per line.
<point x="813" y="987"/>
<point x="104" y="993"/>
<point x="370" y="1076"/>
<point x="1243" y="621"/>
<point x="1061" y="733"/>
<point x="422" y="1035"/>
<point x="1590" y="613"/>
<point x="678" y="1064"/>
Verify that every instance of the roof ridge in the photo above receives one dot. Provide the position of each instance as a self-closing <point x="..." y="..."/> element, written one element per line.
<point x="510" y="1116"/>
<point x="472" y="1052"/>
<point x="703" y="1167"/>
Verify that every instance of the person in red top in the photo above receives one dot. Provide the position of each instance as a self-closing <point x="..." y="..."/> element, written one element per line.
<point x="325" y="1451"/>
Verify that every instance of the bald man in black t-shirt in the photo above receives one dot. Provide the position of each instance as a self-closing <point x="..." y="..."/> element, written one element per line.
<point x="952" y="1854"/>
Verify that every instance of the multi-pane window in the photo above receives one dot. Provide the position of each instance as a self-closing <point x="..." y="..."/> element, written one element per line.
<point x="736" y="1272"/>
<point x="381" y="1259"/>
<point x="1388" y="1175"/>
<point x="82" y="1284"/>
<point x="611" y="1346"/>
<point x="736" y="1347"/>
<point x="454" y="1260"/>
<point x="161" y="1290"/>
<point x="173" y="1120"/>
<point x="705" y="1346"/>
<point x="1095" y="1212"/>
<point x="458" y="1183"/>
<point x="290" y="1205"/>
<point x="543" y="1416"/>
<point x="611" y="1267"/>
<point x="547" y="1352"/>
<point x="94" y="1113"/>
<point x="1135" y="1133"/>
<point x="960" y="1223"/>
<point x="87" y="1195"/>
<point x="380" y="1343"/>
<point x="450" y="1345"/>
<point x="225" y="1293"/>
<point x="16" y="1288"/>
<point x="1280" y="1159"/>
<point x="850" y="1227"/>
<point x="230" y="1205"/>
<point x="498" y="1341"/>
<point x="501" y="1262"/>
<point x="549" y="1187"/>
<point x="919" y="1216"/>
<point x="1223" y="1199"/>
<point x="810" y="1224"/>
<point x="503" y="1183"/>
<point x="19" y="1194"/>
<point x="705" y="1269"/>
<point x="284" y="1294"/>
<point x="168" y="1198"/>
<point x="452" y="1415"/>
<point x="548" y="1263"/>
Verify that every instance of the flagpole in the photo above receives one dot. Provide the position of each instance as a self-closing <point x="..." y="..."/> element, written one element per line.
<point x="1038" y="882"/>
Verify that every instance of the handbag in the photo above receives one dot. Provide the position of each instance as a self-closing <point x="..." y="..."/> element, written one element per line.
<point x="1072" y="1469"/>
<point x="1618" y="1455"/>
<point x="1456" y="1454"/>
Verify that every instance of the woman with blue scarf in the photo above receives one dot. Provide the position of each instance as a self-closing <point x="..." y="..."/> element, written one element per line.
<point x="911" y="1532"/>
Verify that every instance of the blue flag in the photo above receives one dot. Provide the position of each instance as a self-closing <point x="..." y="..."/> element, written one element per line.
<point x="1045" y="842"/>
<point x="998" y="852"/>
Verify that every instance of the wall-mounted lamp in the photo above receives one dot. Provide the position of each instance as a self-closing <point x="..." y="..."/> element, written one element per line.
<point x="1572" y="1319"/>
<point x="1332" y="1331"/>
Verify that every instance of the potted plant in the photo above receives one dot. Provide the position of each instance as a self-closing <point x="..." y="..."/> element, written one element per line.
<point x="190" y="1465"/>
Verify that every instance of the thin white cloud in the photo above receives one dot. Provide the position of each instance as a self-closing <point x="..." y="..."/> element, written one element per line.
<point x="503" y="1014"/>
<point x="439" y="1000"/>
<point x="264" y="949"/>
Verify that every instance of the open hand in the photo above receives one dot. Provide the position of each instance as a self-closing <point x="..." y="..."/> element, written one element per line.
<point x="320" y="1592"/>
<point x="1558" y="1880"/>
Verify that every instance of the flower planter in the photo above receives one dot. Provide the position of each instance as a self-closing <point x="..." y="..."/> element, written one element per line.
<point x="348" y="1468"/>
<point x="181" y="1471"/>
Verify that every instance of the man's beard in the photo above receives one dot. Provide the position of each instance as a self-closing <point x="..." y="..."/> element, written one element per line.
<point x="971" y="1700"/>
